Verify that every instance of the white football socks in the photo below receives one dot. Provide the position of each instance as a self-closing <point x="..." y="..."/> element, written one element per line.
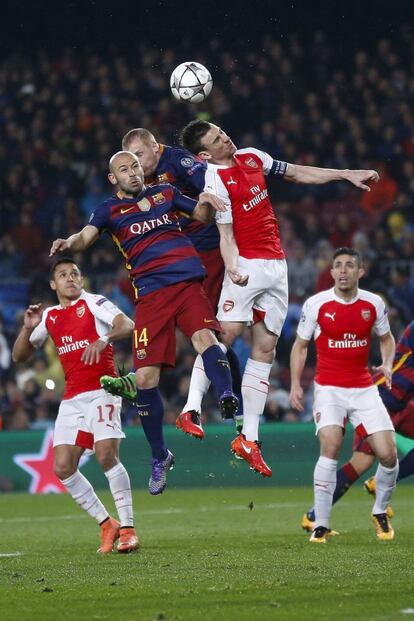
<point x="324" y="483"/>
<point x="199" y="384"/>
<point x="255" y="386"/>
<point x="120" y="487"/>
<point x="385" y="482"/>
<point x="84" y="495"/>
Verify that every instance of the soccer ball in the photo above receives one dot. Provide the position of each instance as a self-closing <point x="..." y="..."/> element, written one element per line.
<point x="191" y="82"/>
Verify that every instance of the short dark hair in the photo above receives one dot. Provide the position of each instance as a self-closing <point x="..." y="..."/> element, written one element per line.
<point x="58" y="261"/>
<point x="350" y="251"/>
<point x="192" y="135"/>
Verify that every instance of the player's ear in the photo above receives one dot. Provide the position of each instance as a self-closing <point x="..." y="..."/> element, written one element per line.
<point x="205" y="155"/>
<point x="52" y="285"/>
<point x="361" y="272"/>
<point x="112" y="178"/>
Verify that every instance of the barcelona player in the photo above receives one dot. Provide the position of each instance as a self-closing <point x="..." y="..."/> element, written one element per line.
<point x="397" y="400"/>
<point x="167" y="275"/>
<point x="341" y="321"/>
<point x="83" y="326"/>
<point x="185" y="171"/>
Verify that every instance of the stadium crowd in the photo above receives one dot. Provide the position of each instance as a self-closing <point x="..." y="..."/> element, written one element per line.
<point x="301" y="99"/>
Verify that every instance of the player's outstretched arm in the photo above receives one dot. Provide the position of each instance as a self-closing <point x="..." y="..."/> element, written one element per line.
<point x="314" y="175"/>
<point x="298" y="357"/>
<point x="76" y="242"/>
<point x="22" y="348"/>
<point x="387" y="347"/>
<point x="230" y="253"/>
<point x="122" y="328"/>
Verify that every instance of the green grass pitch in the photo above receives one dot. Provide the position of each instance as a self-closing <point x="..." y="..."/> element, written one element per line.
<point x="207" y="554"/>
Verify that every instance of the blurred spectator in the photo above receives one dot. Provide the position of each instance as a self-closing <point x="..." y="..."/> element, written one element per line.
<point x="301" y="272"/>
<point x="401" y="292"/>
<point x="382" y="195"/>
<point x="63" y="114"/>
<point x="5" y="353"/>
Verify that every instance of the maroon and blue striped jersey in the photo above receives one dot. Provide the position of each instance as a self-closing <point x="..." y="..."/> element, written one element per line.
<point x="147" y="233"/>
<point x="186" y="172"/>
<point x="402" y="389"/>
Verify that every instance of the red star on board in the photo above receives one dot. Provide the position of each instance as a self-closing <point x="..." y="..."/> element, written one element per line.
<point x="40" y="467"/>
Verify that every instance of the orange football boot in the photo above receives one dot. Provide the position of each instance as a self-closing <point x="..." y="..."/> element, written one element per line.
<point x="109" y="534"/>
<point x="250" y="452"/>
<point x="128" y="540"/>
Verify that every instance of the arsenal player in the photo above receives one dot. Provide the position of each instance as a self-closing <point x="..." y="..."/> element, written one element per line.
<point x="341" y="321"/>
<point x="254" y="257"/>
<point x="399" y="404"/>
<point x="167" y="274"/>
<point x="83" y="326"/>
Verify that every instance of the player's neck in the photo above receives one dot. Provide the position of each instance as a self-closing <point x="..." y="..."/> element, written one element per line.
<point x="121" y="194"/>
<point x="346" y="296"/>
<point x="66" y="302"/>
<point x="225" y="161"/>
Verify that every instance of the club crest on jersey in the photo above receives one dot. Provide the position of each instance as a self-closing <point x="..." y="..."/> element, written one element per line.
<point x="159" y="198"/>
<point x="228" y="305"/>
<point x="141" y="354"/>
<point x="250" y="162"/>
<point x="144" y="204"/>
<point x="80" y="311"/>
<point x="366" y="315"/>
<point x="163" y="178"/>
<point x="187" y="162"/>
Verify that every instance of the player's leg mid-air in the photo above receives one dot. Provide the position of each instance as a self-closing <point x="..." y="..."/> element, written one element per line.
<point x="189" y="420"/>
<point x="154" y="347"/>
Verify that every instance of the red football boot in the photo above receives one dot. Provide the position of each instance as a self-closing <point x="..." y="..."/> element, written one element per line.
<point x="190" y="423"/>
<point x="250" y="452"/>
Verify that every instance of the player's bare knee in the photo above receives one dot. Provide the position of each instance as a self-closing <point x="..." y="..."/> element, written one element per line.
<point x="108" y="459"/>
<point x="147" y="377"/>
<point x="64" y="470"/>
<point x="263" y="355"/>
<point x="330" y="443"/>
<point x="203" y="339"/>
<point x="389" y="459"/>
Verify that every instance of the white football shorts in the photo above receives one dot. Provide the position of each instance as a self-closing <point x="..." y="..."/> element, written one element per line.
<point x="266" y="293"/>
<point x="363" y="407"/>
<point x="88" y="418"/>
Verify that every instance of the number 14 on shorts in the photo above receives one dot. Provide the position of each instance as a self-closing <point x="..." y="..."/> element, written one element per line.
<point x="140" y="338"/>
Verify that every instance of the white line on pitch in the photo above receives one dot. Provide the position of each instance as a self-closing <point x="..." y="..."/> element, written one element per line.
<point x="4" y="554"/>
